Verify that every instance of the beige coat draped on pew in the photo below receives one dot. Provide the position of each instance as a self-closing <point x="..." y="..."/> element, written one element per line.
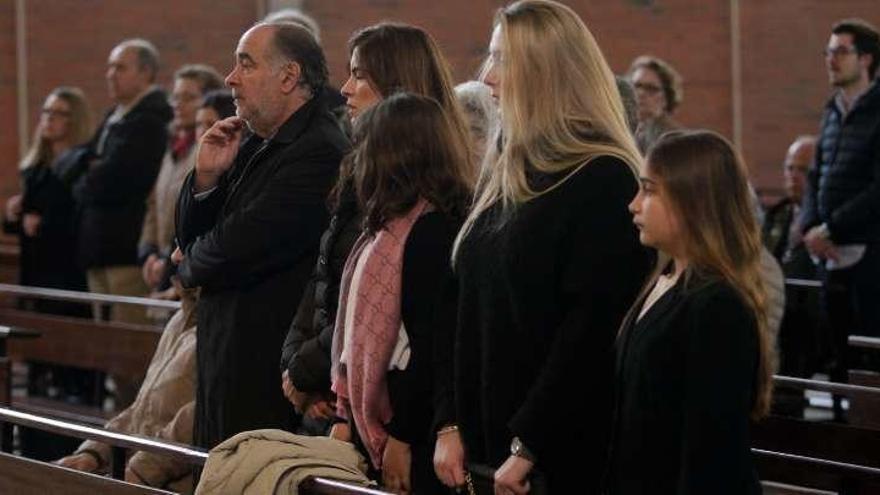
<point x="275" y="462"/>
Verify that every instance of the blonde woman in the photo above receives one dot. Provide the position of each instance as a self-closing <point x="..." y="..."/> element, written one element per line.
<point x="548" y="262"/>
<point x="42" y="215"/>
<point x="695" y="358"/>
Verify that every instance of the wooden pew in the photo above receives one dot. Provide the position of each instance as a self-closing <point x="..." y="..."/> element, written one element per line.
<point x="818" y="455"/>
<point x="20" y="475"/>
<point x="118" y="349"/>
<point x="324" y="486"/>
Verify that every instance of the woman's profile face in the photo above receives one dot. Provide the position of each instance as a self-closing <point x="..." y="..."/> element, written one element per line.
<point x="358" y="89"/>
<point x="652" y="215"/>
<point x="55" y="119"/>
<point x="492" y="74"/>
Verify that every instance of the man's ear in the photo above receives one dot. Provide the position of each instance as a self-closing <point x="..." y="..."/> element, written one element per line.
<point x="290" y="73"/>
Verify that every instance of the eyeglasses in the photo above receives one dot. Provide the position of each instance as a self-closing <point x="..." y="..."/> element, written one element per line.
<point x="651" y="89"/>
<point x="50" y="112"/>
<point x="839" y="51"/>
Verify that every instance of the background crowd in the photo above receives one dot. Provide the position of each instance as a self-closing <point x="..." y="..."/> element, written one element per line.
<point x="438" y="267"/>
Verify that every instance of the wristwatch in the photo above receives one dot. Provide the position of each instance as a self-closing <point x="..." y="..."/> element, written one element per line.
<point x="517" y="449"/>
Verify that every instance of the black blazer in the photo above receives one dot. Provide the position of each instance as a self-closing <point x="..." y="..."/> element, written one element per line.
<point x="685" y="385"/>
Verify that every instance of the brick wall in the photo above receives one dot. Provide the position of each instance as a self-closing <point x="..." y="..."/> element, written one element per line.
<point x="783" y="78"/>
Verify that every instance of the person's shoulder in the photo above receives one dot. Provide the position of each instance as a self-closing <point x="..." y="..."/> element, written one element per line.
<point x="601" y="177"/>
<point x="714" y="297"/>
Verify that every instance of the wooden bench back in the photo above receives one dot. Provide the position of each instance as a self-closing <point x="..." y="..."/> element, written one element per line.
<point x="20" y="475"/>
<point x="120" y="349"/>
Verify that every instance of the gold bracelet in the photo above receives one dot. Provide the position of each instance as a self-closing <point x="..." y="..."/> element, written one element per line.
<point x="447" y="429"/>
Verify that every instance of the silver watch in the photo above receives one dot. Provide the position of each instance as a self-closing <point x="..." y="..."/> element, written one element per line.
<point x="517" y="449"/>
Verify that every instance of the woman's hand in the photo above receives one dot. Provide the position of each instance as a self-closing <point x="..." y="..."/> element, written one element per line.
<point x="81" y="462"/>
<point x="30" y="223"/>
<point x="396" y="463"/>
<point x="449" y="459"/>
<point x="512" y="476"/>
<point x="13" y="208"/>
<point x="341" y="431"/>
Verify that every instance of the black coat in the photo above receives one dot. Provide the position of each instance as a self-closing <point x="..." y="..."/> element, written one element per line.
<point x="48" y="259"/>
<point x="306" y="352"/>
<point x="685" y="387"/>
<point x="112" y="194"/>
<point x="541" y="300"/>
<point x="843" y="185"/>
<point x="251" y="245"/>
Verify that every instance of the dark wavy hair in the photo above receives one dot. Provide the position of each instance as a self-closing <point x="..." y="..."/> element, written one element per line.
<point x="866" y="39"/>
<point x="409" y="148"/>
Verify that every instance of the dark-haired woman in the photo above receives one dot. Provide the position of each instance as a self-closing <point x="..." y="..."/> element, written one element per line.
<point x="385" y="58"/>
<point x="398" y="295"/>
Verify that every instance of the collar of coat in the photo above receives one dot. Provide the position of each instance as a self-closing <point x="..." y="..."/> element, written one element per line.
<point x="299" y="121"/>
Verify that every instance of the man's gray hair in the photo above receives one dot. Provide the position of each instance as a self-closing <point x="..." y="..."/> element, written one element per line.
<point x="298" y="17"/>
<point x="294" y="43"/>
<point x="147" y="54"/>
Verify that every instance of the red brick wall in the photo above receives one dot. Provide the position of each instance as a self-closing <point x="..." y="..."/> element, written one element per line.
<point x="785" y="85"/>
<point x="784" y="82"/>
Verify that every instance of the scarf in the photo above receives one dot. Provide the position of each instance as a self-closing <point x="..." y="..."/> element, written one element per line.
<point x="182" y="142"/>
<point x="360" y="382"/>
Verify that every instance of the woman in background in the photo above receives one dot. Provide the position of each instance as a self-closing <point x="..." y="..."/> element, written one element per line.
<point x="42" y="215"/>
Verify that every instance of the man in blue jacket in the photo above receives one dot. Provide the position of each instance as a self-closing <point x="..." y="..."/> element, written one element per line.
<point x="841" y="213"/>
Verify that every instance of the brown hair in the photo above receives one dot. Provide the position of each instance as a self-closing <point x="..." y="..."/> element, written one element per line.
<point x="706" y="184"/>
<point x="670" y="79"/>
<point x="409" y="148"/>
<point x="206" y="76"/>
<point x="866" y="39"/>
<point x="400" y="57"/>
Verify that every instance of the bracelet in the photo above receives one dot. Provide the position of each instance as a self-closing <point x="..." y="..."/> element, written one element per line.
<point x="447" y="429"/>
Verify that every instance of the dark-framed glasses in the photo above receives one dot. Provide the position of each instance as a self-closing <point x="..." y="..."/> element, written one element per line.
<point x="839" y="51"/>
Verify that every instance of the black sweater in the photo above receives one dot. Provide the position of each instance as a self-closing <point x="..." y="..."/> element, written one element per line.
<point x="685" y="387"/>
<point x="541" y="299"/>
<point x="429" y="294"/>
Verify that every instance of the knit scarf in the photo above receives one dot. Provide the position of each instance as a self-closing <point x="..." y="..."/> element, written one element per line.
<point x="360" y="383"/>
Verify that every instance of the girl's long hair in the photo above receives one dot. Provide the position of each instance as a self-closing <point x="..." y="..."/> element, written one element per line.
<point x="559" y="103"/>
<point x="705" y="182"/>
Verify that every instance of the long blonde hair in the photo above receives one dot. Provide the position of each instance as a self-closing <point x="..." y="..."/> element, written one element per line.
<point x="560" y="106"/>
<point x="705" y="181"/>
<point x="79" y="128"/>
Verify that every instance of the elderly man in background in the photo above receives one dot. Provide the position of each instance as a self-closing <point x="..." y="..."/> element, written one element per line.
<point x="122" y="162"/>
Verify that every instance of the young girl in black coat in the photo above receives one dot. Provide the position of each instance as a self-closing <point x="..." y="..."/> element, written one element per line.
<point x="694" y="357"/>
<point x="397" y="300"/>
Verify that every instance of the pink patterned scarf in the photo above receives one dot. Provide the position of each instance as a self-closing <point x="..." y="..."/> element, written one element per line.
<point x="360" y="383"/>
